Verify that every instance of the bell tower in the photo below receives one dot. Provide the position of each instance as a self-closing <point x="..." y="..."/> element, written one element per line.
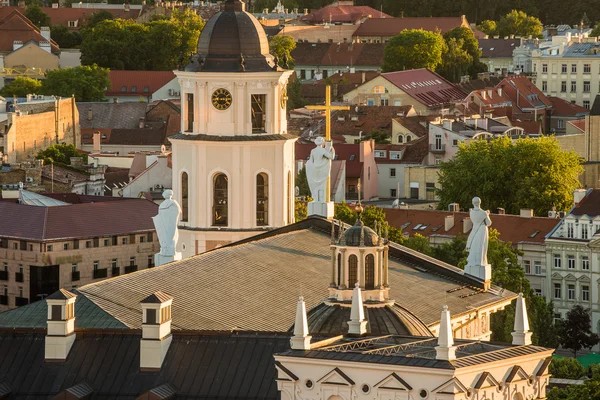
<point x="233" y="162"/>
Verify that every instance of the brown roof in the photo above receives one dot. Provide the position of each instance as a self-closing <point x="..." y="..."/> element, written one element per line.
<point x="393" y="26"/>
<point x="62" y="15"/>
<point x="590" y="205"/>
<point x="16" y="26"/>
<point x="566" y="108"/>
<point x="137" y="137"/>
<point x="417" y="124"/>
<point x="122" y="83"/>
<point x="100" y="219"/>
<point x="529" y="96"/>
<point x="342" y="54"/>
<point x="480" y="83"/>
<point x="111" y="115"/>
<point x="343" y="14"/>
<point x="426" y="86"/>
<point x="356" y="78"/>
<point x="512" y="228"/>
<point x="579" y="124"/>
<point x="495" y="48"/>
<point x="529" y="127"/>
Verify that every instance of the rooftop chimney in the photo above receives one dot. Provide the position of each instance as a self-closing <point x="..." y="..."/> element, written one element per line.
<point x="301" y="338"/>
<point x="578" y="195"/>
<point x="448" y="222"/>
<point x="61" y="325"/>
<point x="526" y="213"/>
<point x="467" y="225"/>
<point x="445" y="350"/>
<point x="45" y="32"/>
<point x="521" y="335"/>
<point x="45" y="46"/>
<point x="90" y="114"/>
<point x="156" y="330"/>
<point x="453" y="207"/>
<point x="141" y="123"/>
<point x="97" y="149"/>
<point x="357" y="324"/>
<point x="500" y="211"/>
<point x="17" y="44"/>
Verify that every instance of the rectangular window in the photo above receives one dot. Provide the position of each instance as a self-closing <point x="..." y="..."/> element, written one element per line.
<point x="49" y="247"/>
<point x="190" y="112"/>
<point x="66" y="246"/>
<point x="586" y="86"/>
<point x="56" y="312"/>
<point x="585" y="263"/>
<point x="563" y="87"/>
<point x="438" y="142"/>
<point x="124" y="240"/>
<point x="563" y="69"/>
<point x="151" y="316"/>
<point x="142" y="239"/>
<point x="573" y="86"/>
<point x="393" y="193"/>
<point x="537" y="266"/>
<point x="379" y="154"/>
<point x="585" y="293"/>
<point x="114" y="263"/>
<point x="544" y="68"/>
<point x="150" y="261"/>
<point x="571" y="292"/>
<point x="584" y="230"/>
<point x="392" y="172"/>
<point x="115" y="240"/>
<point x="74" y="267"/>
<point x="106" y="242"/>
<point x="587" y="68"/>
<point x="557" y="318"/>
<point x="149" y="237"/>
<point x="527" y="267"/>
<point x="132" y="261"/>
<point x="96" y="265"/>
<point x="88" y="244"/>
<point x="571" y="262"/>
<point x="538" y="292"/>
<point x="570" y="230"/>
<point x="560" y="123"/>
<point x="544" y="86"/>
<point x="573" y="68"/>
<point x="258" y="106"/>
<point x="557" y="261"/>
<point x="586" y="104"/>
<point x="302" y="74"/>
<point x="557" y="289"/>
<point x="76" y="244"/>
<point x="384" y="102"/>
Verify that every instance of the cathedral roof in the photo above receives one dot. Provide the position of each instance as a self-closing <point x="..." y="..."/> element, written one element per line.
<point x="233" y="41"/>
<point x="284" y="263"/>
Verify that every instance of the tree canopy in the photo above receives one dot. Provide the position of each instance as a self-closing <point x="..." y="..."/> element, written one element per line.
<point x="87" y="83"/>
<point x="588" y="391"/>
<point x="64" y="37"/>
<point x="413" y="49"/>
<point x="21" y="87"/>
<point x="575" y="331"/>
<point x="98" y="17"/>
<point x="36" y="15"/>
<point x="518" y="23"/>
<point x="526" y="173"/>
<point x="60" y="153"/>
<point x="566" y="368"/>
<point x="281" y="46"/>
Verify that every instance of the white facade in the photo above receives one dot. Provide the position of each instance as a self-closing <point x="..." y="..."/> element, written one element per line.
<point x="171" y="90"/>
<point x="218" y="161"/>
<point x="157" y="176"/>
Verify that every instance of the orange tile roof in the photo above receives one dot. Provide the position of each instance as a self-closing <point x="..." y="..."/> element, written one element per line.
<point x="152" y="80"/>
<point x="16" y="26"/>
<point x="62" y="15"/>
<point x="392" y="26"/>
<point x="579" y="124"/>
<point x="343" y="14"/>
<point x="566" y="108"/>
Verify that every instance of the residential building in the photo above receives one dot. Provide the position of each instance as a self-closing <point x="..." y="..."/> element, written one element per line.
<point x="421" y="182"/>
<point x="497" y="53"/>
<point x="316" y="61"/>
<point x="564" y="111"/>
<point x="35" y="125"/>
<point x="78" y="178"/>
<point x="425" y="90"/>
<point x="47" y="243"/>
<point x="342" y="13"/>
<point x="529" y="103"/>
<point x="146" y="86"/>
<point x="572" y="258"/>
<point x="568" y="69"/>
<point x="525" y="232"/>
<point x="380" y="30"/>
<point x="150" y="174"/>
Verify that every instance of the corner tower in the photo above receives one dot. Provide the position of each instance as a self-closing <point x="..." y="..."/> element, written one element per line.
<point x="233" y="162"/>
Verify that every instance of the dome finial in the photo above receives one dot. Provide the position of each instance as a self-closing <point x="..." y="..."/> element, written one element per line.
<point x="234" y="5"/>
<point x="359" y="207"/>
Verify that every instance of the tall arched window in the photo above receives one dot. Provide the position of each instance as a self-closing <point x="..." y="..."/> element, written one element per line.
<point x="352" y="270"/>
<point x="184" y="197"/>
<point x="262" y="199"/>
<point x="369" y="272"/>
<point x="220" y="198"/>
<point x="400" y="139"/>
<point x="339" y="268"/>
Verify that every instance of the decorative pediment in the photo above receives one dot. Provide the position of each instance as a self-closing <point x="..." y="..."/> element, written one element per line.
<point x="541" y="371"/>
<point x="393" y="382"/>
<point x="289" y="375"/>
<point x="516" y="374"/>
<point x="336" y="377"/>
<point x="570" y="277"/>
<point x="453" y="386"/>
<point x="584" y="278"/>
<point x="486" y="380"/>
<point x="556" y="275"/>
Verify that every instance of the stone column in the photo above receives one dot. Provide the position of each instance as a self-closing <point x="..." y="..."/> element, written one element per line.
<point x="379" y="269"/>
<point x="386" y="267"/>
<point x="343" y="269"/>
<point x="333" y="265"/>
<point x="361" y="268"/>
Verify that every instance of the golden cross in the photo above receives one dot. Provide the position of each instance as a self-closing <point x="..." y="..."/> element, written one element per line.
<point x="328" y="108"/>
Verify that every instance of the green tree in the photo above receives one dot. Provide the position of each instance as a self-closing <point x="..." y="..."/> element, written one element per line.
<point x="191" y="25"/>
<point x="590" y="390"/>
<point x="87" y="83"/>
<point x="370" y="216"/>
<point x="21" y="87"/>
<point x="468" y="43"/>
<point x="60" y="153"/>
<point x="575" y="331"/>
<point x="527" y="173"/>
<point x="64" y="37"/>
<point x="98" y="17"/>
<point x="380" y="137"/>
<point x="301" y="210"/>
<point x="456" y="61"/>
<point x="596" y="31"/>
<point x="566" y="368"/>
<point x="163" y="55"/>
<point x="281" y="47"/>
<point x="419" y="243"/>
<point x="37" y="16"/>
<point x="294" y="94"/>
<point x="413" y="49"/>
<point x="302" y="183"/>
<point x="488" y="27"/>
<point x="519" y="23"/>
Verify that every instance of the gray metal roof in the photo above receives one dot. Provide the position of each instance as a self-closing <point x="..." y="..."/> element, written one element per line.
<point x="36" y="199"/>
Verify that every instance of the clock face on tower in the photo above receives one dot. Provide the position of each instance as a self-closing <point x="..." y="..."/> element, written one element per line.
<point x="221" y="99"/>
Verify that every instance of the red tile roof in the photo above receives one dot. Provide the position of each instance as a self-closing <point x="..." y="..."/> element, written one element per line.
<point x="426" y="86"/>
<point x="393" y="26"/>
<point x="15" y="26"/>
<point x="512" y="228"/>
<point x="343" y="54"/>
<point x="356" y="78"/>
<point x="342" y="14"/>
<point x="496" y="48"/>
<point x="566" y="108"/>
<point x="83" y="220"/>
<point x="62" y="15"/>
<point x="590" y="205"/>
<point x="529" y="96"/>
<point x="579" y="124"/>
<point x="529" y="127"/>
<point x="152" y="80"/>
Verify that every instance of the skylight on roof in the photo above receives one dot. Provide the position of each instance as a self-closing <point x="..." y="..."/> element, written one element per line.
<point x="436" y="228"/>
<point x="534" y="234"/>
<point x="352" y="156"/>
<point x="423" y="227"/>
<point x="405" y="225"/>
<point x="416" y="227"/>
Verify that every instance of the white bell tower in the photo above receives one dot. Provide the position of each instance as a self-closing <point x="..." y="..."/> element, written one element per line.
<point x="233" y="163"/>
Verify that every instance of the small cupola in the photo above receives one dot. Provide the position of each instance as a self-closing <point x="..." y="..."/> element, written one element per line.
<point x="61" y="325"/>
<point x="359" y="255"/>
<point x="156" y="330"/>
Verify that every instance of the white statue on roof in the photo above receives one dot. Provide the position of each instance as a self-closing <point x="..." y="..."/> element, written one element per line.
<point x="318" y="168"/>
<point x="166" y="224"/>
<point x="477" y="243"/>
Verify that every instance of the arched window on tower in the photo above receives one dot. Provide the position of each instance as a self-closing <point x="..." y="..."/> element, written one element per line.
<point x="352" y="270"/>
<point x="369" y="272"/>
<point x="184" y="197"/>
<point x="220" y="199"/>
<point x="262" y="199"/>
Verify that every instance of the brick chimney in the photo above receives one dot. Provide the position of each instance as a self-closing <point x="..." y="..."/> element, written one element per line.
<point x="45" y="32"/>
<point x="156" y="330"/>
<point x="61" y="325"/>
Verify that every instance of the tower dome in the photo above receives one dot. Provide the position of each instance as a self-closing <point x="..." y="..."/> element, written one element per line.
<point x="353" y="234"/>
<point x="233" y="41"/>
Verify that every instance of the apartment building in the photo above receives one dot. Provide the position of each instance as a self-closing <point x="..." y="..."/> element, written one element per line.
<point x="573" y="258"/>
<point x="70" y="240"/>
<point x="568" y="69"/>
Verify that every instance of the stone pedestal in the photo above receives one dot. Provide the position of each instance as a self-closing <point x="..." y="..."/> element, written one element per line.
<point x="159" y="259"/>
<point x="483" y="272"/>
<point x="326" y="210"/>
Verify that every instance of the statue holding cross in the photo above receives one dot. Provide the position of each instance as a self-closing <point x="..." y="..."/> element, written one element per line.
<point x="318" y="168"/>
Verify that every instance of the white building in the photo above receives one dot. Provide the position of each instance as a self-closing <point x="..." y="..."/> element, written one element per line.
<point x="234" y="149"/>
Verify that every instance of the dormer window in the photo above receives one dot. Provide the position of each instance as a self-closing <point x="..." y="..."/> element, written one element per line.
<point x="123" y="89"/>
<point x="133" y="89"/>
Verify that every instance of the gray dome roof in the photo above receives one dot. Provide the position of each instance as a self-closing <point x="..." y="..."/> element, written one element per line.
<point x="233" y="41"/>
<point x="352" y="235"/>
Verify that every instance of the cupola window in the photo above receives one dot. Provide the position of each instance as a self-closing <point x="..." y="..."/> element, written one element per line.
<point x="352" y="270"/>
<point x="259" y="102"/>
<point x="369" y="272"/>
<point x="262" y="199"/>
<point x="220" y="199"/>
<point x="190" y="112"/>
<point x="184" y="197"/>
